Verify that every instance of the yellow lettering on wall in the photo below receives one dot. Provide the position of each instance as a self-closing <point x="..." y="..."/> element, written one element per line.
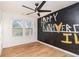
<point x="67" y="38"/>
<point x="76" y="39"/>
<point x="58" y="27"/>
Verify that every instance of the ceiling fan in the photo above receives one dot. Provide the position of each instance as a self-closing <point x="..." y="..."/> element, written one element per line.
<point x="37" y="9"/>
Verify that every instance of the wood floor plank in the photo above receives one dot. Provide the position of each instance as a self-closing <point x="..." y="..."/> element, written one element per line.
<point x="35" y="49"/>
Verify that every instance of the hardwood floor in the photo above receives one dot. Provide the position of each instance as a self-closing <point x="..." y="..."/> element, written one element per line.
<point x="35" y="49"/>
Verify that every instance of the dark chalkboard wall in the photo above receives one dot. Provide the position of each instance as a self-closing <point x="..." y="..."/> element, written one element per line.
<point x="68" y="15"/>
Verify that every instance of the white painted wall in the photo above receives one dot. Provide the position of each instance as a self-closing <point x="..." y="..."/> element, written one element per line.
<point x="0" y="32"/>
<point x="0" y="40"/>
<point x="8" y="39"/>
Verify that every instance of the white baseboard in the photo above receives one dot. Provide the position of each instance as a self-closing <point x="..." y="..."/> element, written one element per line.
<point x="16" y="44"/>
<point x="75" y="55"/>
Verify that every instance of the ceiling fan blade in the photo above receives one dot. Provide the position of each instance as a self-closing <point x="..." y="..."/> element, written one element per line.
<point x="44" y="10"/>
<point x="30" y="13"/>
<point x="28" y="7"/>
<point x="38" y="14"/>
<point x="41" y="5"/>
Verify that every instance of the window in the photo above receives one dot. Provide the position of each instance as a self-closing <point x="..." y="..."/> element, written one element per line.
<point x="21" y="26"/>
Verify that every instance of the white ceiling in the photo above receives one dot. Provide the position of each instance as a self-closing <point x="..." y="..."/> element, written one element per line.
<point x="16" y="6"/>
